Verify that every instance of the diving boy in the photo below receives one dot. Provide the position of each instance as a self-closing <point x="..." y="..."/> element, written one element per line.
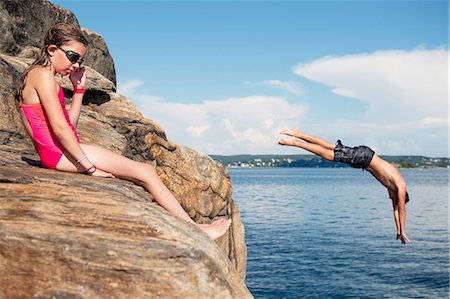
<point x="359" y="157"/>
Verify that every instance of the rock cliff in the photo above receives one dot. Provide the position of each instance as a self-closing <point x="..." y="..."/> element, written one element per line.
<point x="23" y="25"/>
<point x="66" y="235"/>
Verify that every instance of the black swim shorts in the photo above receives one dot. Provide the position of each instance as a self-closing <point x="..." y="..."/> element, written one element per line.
<point x="357" y="157"/>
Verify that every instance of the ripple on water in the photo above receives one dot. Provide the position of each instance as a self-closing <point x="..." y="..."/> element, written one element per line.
<point x="329" y="233"/>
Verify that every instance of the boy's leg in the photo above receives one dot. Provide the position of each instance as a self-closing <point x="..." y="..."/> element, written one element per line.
<point x="317" y="149"/>
<point x="309" y="138"/>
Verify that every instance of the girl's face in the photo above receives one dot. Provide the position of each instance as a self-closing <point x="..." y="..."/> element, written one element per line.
<point x="60" y="60"/>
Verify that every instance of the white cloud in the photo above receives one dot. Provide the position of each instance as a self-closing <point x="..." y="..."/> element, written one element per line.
<point x="226" y="126"/>
<point x="249" y="122"/>
<point x="406" y="97"/>
<point x="404" y="92"/>
<point x="435" y="121"/>
<point x="394" y="147"/>
<point x="290" y="86"/>
<point x="344" y="92"/>
<point x="255" y="110"/>
<point x="128" y="88"/>
<point x="268" y="123"/>
<point x="402" y="85"/>
<point x="197" y="131"/>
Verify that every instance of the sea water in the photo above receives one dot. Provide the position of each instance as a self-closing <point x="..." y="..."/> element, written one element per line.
<point x="330" y="233"/>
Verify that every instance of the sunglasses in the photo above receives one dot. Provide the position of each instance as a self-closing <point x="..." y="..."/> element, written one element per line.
<point x="73" y="57"/>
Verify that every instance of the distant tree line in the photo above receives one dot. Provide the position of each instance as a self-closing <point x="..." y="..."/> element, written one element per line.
<point x="314" y="161"/>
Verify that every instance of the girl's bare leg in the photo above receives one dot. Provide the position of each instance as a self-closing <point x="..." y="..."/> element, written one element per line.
<point x="143" y="174"/>
<point x="309" y="138"/>
<point x="319" y="150"/>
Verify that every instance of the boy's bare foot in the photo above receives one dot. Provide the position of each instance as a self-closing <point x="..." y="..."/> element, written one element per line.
<point x="290" y="141"/>
<point x="216" y="229"/>
<point x="292" y="132"/>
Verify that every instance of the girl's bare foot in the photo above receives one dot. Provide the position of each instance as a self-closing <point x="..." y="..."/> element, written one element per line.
<point x="216" y="229"/>
<point x="292" y="132"/>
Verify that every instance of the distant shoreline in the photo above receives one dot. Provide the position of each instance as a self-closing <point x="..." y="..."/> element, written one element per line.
<point x="402" y="168"/>
<point x="312" y="161"/>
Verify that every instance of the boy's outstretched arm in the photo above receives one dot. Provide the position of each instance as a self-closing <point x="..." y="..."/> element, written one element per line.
<point x="401" y="201"/>
<point x="396" y="218"/>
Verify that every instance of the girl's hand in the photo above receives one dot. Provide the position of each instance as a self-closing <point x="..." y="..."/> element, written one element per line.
<point x="102" y="174"/>
<point x="78" y="78"/>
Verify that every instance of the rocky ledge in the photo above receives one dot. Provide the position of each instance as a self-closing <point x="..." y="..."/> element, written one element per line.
<point x="65" y="235"/>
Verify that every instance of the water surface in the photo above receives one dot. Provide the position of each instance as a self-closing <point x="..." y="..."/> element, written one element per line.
<point x="330" y="233"/>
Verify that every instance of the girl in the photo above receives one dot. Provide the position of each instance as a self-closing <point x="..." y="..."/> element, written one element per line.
<point x="52" y="127"/>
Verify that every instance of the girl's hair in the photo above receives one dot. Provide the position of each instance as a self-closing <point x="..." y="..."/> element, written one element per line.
<point x="58" y="35"/>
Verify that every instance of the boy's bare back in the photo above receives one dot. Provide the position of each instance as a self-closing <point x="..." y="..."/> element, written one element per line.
<point x="386" y="173"/>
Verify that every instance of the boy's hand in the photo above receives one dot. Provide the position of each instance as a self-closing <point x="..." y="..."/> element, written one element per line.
<point x="403" y="238"/>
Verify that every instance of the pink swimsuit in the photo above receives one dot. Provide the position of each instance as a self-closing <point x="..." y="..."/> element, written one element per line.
<point x="45" y="141"/>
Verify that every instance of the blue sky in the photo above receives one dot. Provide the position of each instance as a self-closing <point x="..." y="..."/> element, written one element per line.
<point x="224" y="77"/>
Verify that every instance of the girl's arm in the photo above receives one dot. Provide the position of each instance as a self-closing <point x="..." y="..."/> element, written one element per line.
<point x="47" y="92"/>
<point x="75" y="107"/>
<point x="78" y="79"/>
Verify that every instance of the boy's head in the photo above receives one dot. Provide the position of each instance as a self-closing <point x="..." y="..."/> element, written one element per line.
<point x="393" y="196"/>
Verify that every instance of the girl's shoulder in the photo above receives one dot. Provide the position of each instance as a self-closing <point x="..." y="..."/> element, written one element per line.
<point x="40" y="73"/>
<point x="39" y="77"/>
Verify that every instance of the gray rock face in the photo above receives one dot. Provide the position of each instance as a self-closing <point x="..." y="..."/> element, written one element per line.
<point x="98" y="56"/>
<point x="65" y="235"/>
<point x="202" y="186"/>
<point x="23" y="25"/>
